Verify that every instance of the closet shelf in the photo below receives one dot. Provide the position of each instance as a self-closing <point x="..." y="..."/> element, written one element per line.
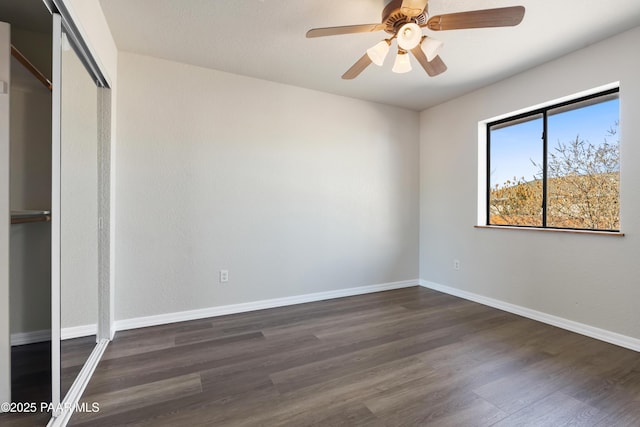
<point x="26" y="216"/>
<point x="32" y="68"/>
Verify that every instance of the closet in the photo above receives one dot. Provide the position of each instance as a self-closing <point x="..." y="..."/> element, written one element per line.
<point x="30" y="231"/>
<point x="30" y="107"/>
<point x="54" y="208"/>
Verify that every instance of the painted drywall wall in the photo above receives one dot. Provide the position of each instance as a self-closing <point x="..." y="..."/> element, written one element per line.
<point x="30" y="259"/>
<point x="5" y="337"/>
<point x="589" y="279"/>
<point x="88" y="16"/>
<point x="292" y="191"/>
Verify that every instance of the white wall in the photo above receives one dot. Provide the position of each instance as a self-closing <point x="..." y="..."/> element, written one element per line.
<point x="88" y="16"/>
<point x="293" y="191"/>
<point x="585" y="278"/>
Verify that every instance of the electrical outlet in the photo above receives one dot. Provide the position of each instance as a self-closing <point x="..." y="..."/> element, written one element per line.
<point x="224" y="276"/>
<point x="456" y="264"/>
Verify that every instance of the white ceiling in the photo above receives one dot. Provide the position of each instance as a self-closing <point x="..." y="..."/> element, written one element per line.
<point x="265" y="39"/>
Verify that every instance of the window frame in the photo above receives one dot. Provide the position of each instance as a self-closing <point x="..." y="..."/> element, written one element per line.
<point x="544" y="112"/>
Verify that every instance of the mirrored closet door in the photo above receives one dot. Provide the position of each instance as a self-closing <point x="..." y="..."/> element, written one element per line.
<point x="77" y="199"/>
<point x="54" y="165"/>
<point x="78" y="214"/>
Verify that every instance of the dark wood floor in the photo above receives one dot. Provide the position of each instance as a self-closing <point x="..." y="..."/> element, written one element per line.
<point x="405" y="357"/>
<point x="31" y="376"/>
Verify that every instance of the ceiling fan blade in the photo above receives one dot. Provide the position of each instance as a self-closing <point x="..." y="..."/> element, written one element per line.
<point x="412" y="8"/>
<point x="347" y="29"/>
<point x="433" y="68"/>
<point x="500" y="17"/>
<point x="357" y="68"/>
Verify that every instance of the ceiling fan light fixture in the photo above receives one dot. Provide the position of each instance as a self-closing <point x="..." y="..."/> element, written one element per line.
<point x="404" y="20"/>
<point x="431" y="47"/>
<point x="409" y="36"/>
<point x="379" y="52"/>
<point x="402" y="63"/>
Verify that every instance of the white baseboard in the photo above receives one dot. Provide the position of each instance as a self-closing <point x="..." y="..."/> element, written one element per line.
<point x="161" y="319"/>
<point x="32" y="337"/>
<point x="78" y="331"/>
<point x="560" y="322"/>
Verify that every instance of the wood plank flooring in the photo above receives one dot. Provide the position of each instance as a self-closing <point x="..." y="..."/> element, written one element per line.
<point x="408" y="357"/>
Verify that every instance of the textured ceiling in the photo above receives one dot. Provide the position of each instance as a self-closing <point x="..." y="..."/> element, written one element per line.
<point x="265" y="39"/>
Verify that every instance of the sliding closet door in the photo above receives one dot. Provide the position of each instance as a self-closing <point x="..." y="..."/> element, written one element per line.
<point x="75" y="189"/>
<point x="5" y="338"/>
<point x="79" y="215"/>
<point x="55" y="210"/>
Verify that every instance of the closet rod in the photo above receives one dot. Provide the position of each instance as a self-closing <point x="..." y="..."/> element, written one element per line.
<point x="32" y="68"/>
<point x="22" y="217"/>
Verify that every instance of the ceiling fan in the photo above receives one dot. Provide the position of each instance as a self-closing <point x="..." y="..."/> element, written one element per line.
<point x="404" y="20"/>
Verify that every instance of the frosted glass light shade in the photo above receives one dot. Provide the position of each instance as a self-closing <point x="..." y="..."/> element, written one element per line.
<point x="409" y="36"/>
<point x="431" y="47"/>
<point x="378" y="53"/>
<point x="402" y="64"/>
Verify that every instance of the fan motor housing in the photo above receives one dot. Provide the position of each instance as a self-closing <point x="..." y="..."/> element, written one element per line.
<point x="393" y="19"/>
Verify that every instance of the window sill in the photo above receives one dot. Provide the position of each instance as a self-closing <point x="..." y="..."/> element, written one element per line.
<point x="552" y="230"/>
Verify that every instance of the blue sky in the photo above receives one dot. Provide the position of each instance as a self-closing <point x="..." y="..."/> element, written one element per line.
<point x="512" y="147"/>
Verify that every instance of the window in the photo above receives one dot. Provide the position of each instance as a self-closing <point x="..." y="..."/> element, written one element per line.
<point x="557" y="167"/>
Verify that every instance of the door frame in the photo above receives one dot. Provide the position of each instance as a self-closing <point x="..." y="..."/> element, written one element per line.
<point x="5" y="214"/>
